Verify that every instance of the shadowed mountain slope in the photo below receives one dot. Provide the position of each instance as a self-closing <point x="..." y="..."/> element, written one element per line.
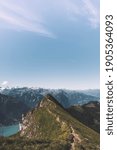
<point x="11" y="110"/>
<point x="88" y="114"/>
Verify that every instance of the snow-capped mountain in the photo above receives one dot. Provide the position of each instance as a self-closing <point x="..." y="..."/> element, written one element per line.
<point x="31" y="96"/>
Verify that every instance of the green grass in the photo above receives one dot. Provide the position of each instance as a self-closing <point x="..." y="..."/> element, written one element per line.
<point x="26" y="144"/>
<point x="45" y="132"/>
<point x="45" y="126"/>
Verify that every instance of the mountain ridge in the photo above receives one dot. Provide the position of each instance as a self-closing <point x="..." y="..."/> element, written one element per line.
<point x="49" y="126"/>
<point x="31" y="97"/>
<point x="56" y="123"/>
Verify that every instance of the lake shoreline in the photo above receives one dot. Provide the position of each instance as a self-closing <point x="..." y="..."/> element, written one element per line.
<point x="6" y="131"/>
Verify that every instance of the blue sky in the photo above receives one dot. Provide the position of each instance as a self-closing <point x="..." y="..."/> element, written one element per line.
<point x="49" y="43"/>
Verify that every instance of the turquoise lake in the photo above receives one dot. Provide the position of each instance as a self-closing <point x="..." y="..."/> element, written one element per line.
<point x="9" y="130"/>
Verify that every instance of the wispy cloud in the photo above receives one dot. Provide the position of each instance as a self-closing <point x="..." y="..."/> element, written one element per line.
<point x="33" y="16"/>
<point x="92" y="12"/>
<point x="21" y="18"/>
<point x="4" y="83"/>
<point x="85" y="9"/>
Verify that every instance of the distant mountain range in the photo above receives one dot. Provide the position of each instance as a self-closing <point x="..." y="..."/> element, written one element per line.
<point x="67" y="98"/>
<point x="17" y="101"/>
<point x="92" y="92"/>
<point x="49" y="126"/>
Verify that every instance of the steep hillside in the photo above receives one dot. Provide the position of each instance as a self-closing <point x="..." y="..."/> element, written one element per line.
<point x="11" y="110"/>
<point x="49" y="121"/>
<point x="50" y="127"/>
<point x="88" y="114"/>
